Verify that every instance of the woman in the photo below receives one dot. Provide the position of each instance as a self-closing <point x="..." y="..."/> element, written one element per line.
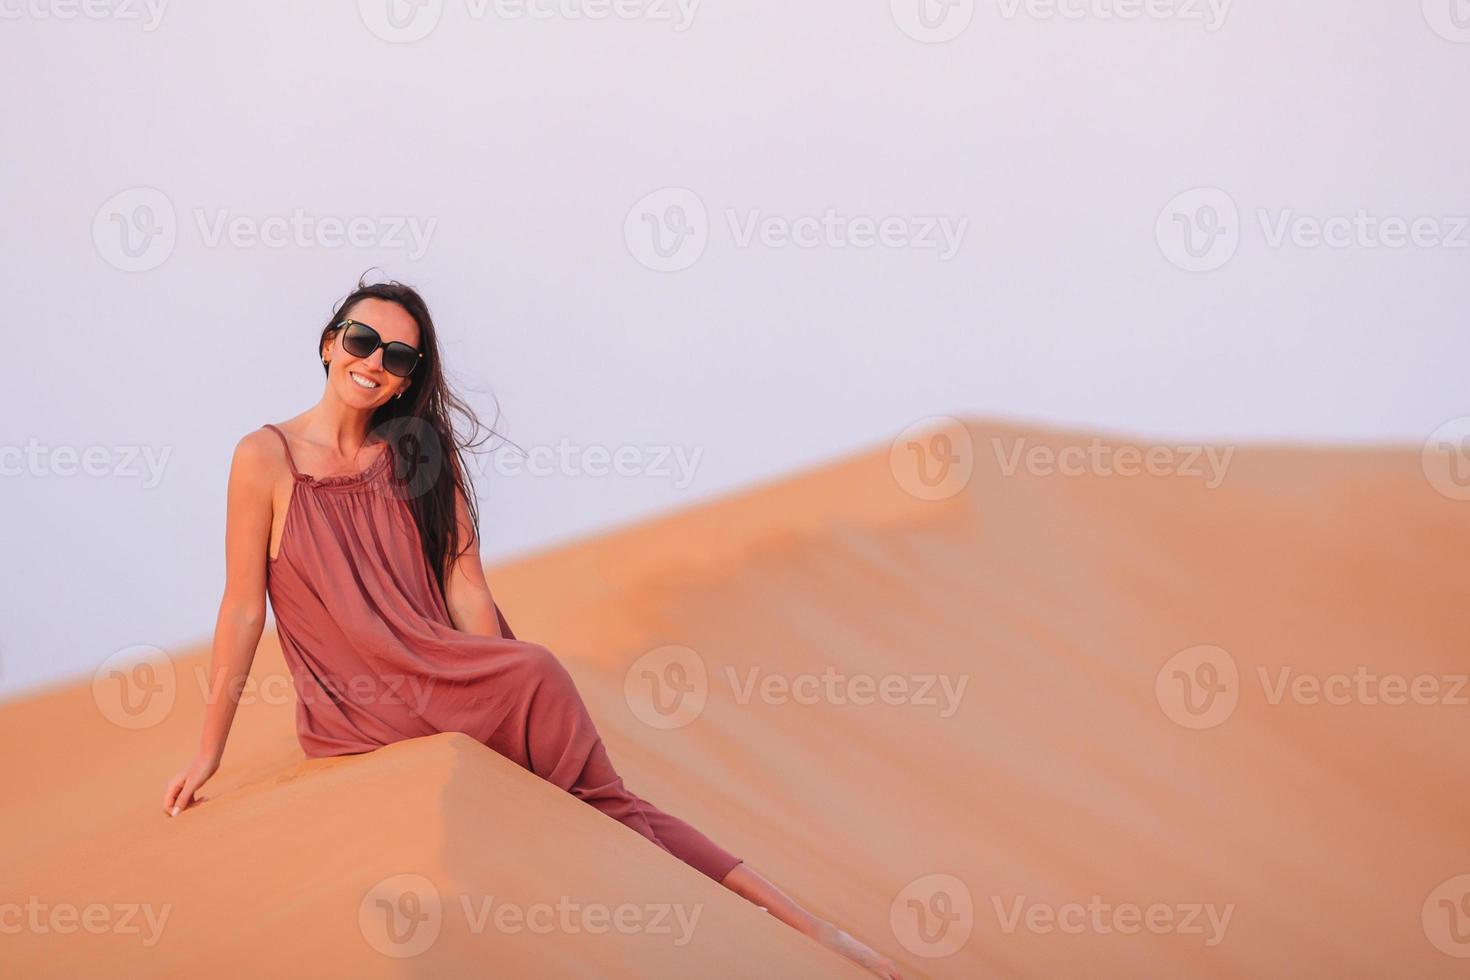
<point x="357" y="519"/>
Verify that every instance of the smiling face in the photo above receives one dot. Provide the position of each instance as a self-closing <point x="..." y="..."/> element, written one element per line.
<point x="361" y="381"/>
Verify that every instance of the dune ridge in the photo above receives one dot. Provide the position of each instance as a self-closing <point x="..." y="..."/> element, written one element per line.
<point x="1015" y="814"/>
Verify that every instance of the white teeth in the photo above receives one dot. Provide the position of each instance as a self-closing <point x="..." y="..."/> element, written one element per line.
<point x="361" y="381"/>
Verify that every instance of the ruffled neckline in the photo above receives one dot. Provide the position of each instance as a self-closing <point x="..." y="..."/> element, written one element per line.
<point x="349" y="479"/>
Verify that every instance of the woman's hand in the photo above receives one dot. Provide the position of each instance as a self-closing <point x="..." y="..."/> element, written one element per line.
<point x="178" y="795"/>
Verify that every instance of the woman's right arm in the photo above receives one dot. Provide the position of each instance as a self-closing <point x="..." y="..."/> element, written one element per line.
<point x="241" y="616"/>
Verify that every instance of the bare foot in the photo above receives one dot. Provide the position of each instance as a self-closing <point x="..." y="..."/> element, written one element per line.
<point x="858" y="951"/>
<point x="751" y="885"/>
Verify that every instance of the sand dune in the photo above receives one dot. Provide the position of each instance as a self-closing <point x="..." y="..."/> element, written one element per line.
<point x="1000" y="722"/>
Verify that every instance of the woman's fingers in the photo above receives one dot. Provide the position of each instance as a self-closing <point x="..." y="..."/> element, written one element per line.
<point x="178" y="796"/>
<point x="185" y="797"/>
<point x="171" y="792"/>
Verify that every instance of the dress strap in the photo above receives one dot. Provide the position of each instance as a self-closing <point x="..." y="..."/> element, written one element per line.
<point x="289" y="460"/>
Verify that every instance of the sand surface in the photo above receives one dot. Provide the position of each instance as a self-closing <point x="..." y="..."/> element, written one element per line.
<point x="1042" y="725"/>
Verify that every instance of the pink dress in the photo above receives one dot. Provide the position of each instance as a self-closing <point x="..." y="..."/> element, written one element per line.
<point x="375" y="657"/>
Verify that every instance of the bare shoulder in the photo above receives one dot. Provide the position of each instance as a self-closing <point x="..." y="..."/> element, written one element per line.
<point x="259" y="457"/>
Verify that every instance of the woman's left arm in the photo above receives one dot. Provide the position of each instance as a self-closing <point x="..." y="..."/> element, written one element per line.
<point x="466" y="593"/>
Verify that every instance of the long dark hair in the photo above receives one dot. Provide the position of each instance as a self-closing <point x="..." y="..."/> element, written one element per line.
<point x="428" y="469"/>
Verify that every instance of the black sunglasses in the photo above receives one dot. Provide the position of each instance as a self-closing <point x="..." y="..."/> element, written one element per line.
<point x="360" y="340"/>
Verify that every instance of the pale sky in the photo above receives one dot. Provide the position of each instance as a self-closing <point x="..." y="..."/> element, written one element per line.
<point x="741" y="238"/>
